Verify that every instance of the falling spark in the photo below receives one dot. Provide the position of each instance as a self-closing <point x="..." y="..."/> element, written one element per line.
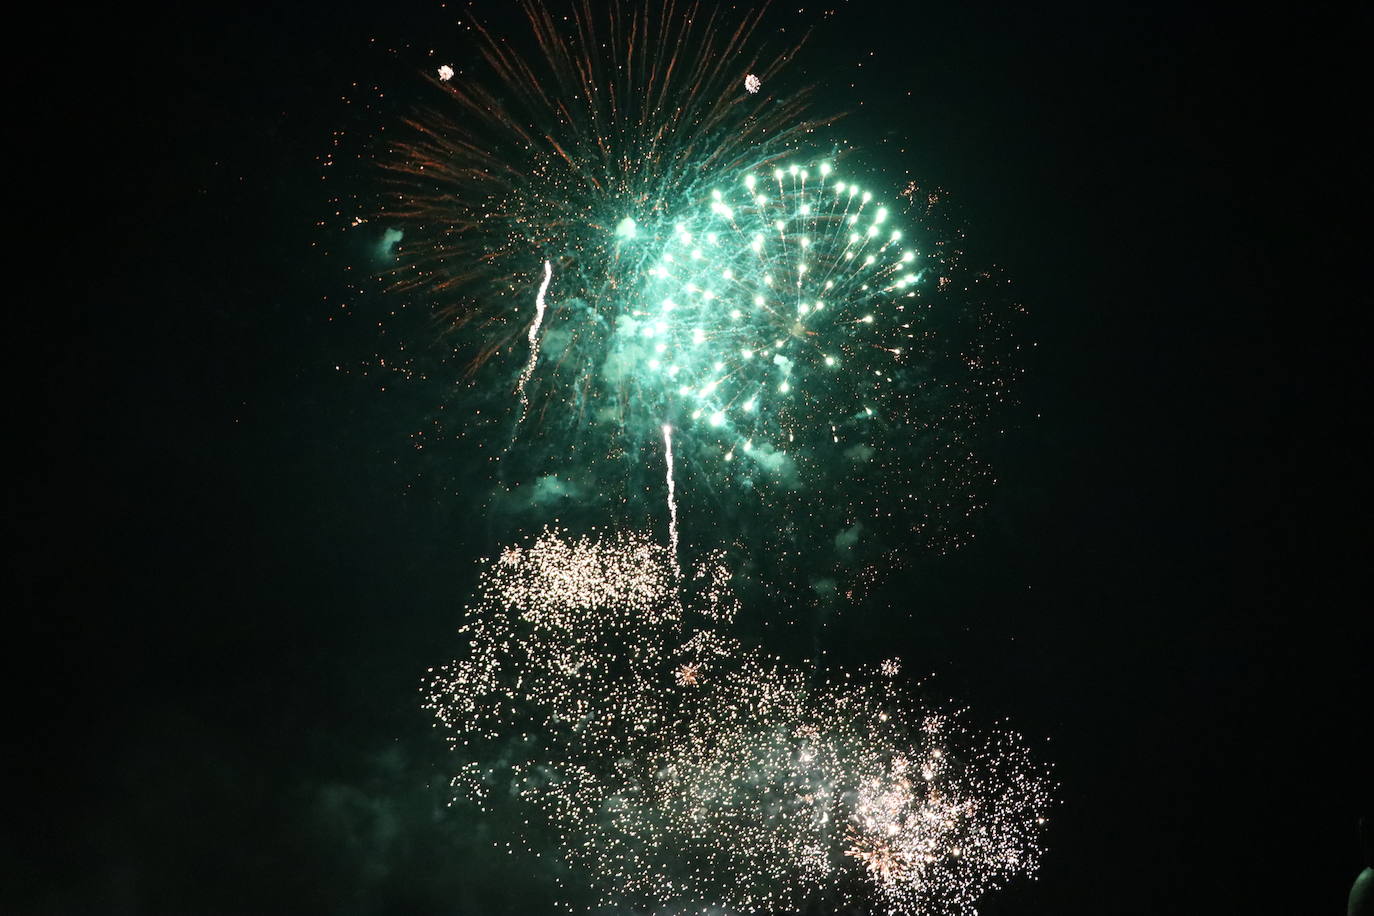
<point x="672" y="493"/>
<point x="534" y="341"/>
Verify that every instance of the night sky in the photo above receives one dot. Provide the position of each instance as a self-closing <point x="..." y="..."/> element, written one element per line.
<point x="231" y="570"/>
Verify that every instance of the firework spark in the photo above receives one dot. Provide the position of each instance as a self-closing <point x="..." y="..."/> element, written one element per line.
<point x="534" y="341"/>
<point x="672" y="488"/>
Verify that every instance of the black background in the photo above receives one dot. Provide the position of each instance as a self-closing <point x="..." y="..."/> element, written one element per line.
<point x="228" y="582"/>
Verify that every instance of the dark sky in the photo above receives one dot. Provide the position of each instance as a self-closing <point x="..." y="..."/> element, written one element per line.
<point x="228" y="583"/>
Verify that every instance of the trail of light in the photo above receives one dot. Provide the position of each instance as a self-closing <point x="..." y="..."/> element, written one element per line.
<point x="672" y="493"/>
<point x="534" y="341"/>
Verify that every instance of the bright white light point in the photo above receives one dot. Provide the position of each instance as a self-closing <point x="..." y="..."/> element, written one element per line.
<point x="829" y="284"/>
<point x="445" y="73"/>
<point x="654" y="364"/>
<point x="896" y="236"/>
<point x="867" y="319"/>
<point x="708" y="295"/>
<point x="660" y="348"/>
<point x="750" y="181"/>
<point x="627" y="228"/>
<point x="806" y="242"/>
<point x="757" y="243"/>
<point x="728" y="274"/>
<point x="805" y="210"/>
<point x="867" y="196"/>
<point x="668" y="258"/>
<point x="830" y="360"/>
<point x="779" y="225"/>
<point x="717" y="418"/>
<point x="698" y="336"/>
<point x="784" y="388"/>
<point x="696" y="414"/>
<point x="839" y="186"/>
<point x="758" y="300"/>
<point x="909" y="257"/>
<point x="752" y="83"/>
<point x="729" y="456"/>
<point x="768" y="280"/>
<point x="777" y="173"/>
<point x="715" y="194"/>
<point x="669" y="305"/>
<point x="749" y="406"/>
<point x="819" y="305"/>
<point x="854" y="220"/>
<point x="719" y="366"/>
<point x="803" y="309"/>
<point x="712" y="238"/>
<point x="869" y="260"/>
<point x="794" y="169"/>
<point x="761" y="200"/>
<point x="747" y="354"/>
<point x="882" y="215"/>
<point x="872" y="231"/>
<point x="825" y="168"/>
<point x="696" y="254"/>
<point x="736" y="313"/>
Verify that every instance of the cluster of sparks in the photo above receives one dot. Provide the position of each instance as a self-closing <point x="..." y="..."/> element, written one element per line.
<point x="679" y="767"/>
<point x="779" y="312"/>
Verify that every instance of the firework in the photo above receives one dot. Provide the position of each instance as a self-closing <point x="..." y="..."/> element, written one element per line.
<point x="692" y="315"/>
<point x="655" y="228"/>
<point x="676" y="766"/>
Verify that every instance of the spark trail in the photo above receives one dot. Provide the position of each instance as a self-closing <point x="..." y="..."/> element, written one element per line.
<point x="534" y="342"/>
<point x="672" y="493"/>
